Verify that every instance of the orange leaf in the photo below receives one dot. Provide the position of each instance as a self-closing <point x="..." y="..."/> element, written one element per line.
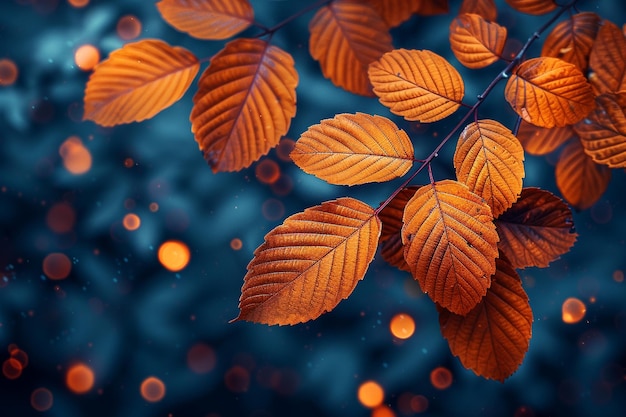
<point x="533" y="6"/>
<point x="603" y="133"/>
<point x="137" y="81"/>
<point x="549" y="92"/>
<point x="540" y="140"/>
<point x="207" y="19"/>
<point x="580" y="180"/>
<point x="608" y="59"/>
<point x="307" y="265"/>
<point x="345" y="38"/>
<point x="395" y="12"/>
<point x="450" y="244"/>
<point x="490" y="161"/>
<point x="493" y="338"/>
<point x="244" y="104"/>
<point x="353" y="149"/>
<point x="572" y="39"/>
<point x="486" y="8"/>
<point x="475" y="42"/>
<point x="536" y="230"/>
<point x="417" y="85"/>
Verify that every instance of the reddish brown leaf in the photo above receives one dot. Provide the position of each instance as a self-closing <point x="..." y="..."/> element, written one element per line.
<point x="307" y="265"/>
<point x="608" y="59"/>
<point x="486" y="8"/>
<point x="138" y="81"/>
<point x="536" y="230"/>
<point x="580" y="180"/>
<point x="345" y="38"/>
<point x="540" y="140"/>
<point x="450" y="244"/>
<point x="493" y="338"/>
<point x="244" y="104"/>
<point x="395" y="12"/>
<point x="533" y="6"/>
<point x="572" y="39"/>
<point x="353" y="149"/>
<point x="432" y="7"/>
<point x="207" y="19"/>
<point x="475" y="42"/>
<point x="549" y="92"/>
<point x="418" y="85"/>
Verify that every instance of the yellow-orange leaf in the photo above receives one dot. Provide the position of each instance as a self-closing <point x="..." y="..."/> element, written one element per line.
<point x="533" y="6"/>
<point x="353" y="149"/>
<point x="493" y="338"/>
<point x="549" y="92"/>
<point x="394" y="12"/>
<point x="307" y="265"/>
<point x="345" y="38"/>
<point x="572" y="39"/>
<point x="450" y="244"/>
<point x="540" y="140"/>
<point x="475" y="42"/>
<point x="244" y="104"/>
<point x="486" y="8"/>
<point x="536" y="230"/>
<point x="580" y="180"/>
<point x="207" y="19"/>
<point x="608" y="59"/>
<point x="490" y="161"/>
<point x="417" y="85"/>
<point x="603" y="133"/>
<point x="137" y="81"/>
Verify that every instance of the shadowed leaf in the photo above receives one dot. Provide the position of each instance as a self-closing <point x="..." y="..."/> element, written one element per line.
<point x="475" y="42"/>
<point x="395" y="12"/>
<point x="391" y="246"/>
<point x="486" y="8"/>
<point x="572" y="39"/>
<point x="535" y="7"/>
<point x="541" y="140"/>
<point x="608" y="59"/>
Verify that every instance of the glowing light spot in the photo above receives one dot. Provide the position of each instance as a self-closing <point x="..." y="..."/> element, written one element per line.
<point x="441" y="378"/>
<point x="419" y="404"/>
<point x="12" y="368"/>
<point x="154" y="207"/>
<point x="283" y="185"/>
<point x="76" y="158"/>
<point x="61" y="218"/>
<point x="152" y="389"/>
<point x="273" y="209"/>
<point x="618" y="276"/>
<point x="19" y="355"/>
<point x="78" y="3"/>
<point x="236" y="244"/>
<point x="41" y="399"/>
<point x="402" y="326"/>
<point x="8" y="72"/>
<point x="131" y="222"/>
<point x="573" y="310"/>
<point x="383" y="411"/>
<point x="57" y="266"/>
<point x="284" y="148"/>
<point x="201" y="358"/>
<point x="371" y="394"/>
<point x="237" y="379"/>
<point x="129" y="163"/>
<point x="267" y="171"/>
<point x="174" y="255"/>
<point x="80" y="378"/>
<point x="86" y="57"/>
<point x="128" y="27"/>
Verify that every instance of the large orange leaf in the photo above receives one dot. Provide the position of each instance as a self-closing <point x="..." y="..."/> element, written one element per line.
<point x="345" y="38"/>
<point x="394" y="12"/>
<point x="540" y="140"/>
<point x="533" y="6"/>
<point x="475" y="42"/>
<point x="207" y="19"/>
<point x="244" y="104"/>
<point x="536" y="230"/>
<point x="417" y="85"/>
<point x="307" y="265"/>
<point x="137" y="81"/>
<point x="608" y="59"/>
<point x="450" y="244"/>
<point x="549" y="92"/>
<point x="572" y="39"/>
<point x="493" y="338"/>
<point x="603" y="133"/>
<point x="490" y="161"/>
<point x="353" y="149"/>
<point x="486" y="8"/>
<point x="580" y="180"/>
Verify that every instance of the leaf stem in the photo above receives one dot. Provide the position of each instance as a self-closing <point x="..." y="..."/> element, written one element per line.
<point x="294" y="16"/>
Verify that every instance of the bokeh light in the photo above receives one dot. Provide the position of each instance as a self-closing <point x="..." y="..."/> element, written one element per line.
<point x="57" y="265"/>
<point x="8" y="72"/>
<point x="61" y="217"/>
<point x="79" y="378"/>
<point x="284" y="148"/>
<point x="267" y="171"/>
<point x="128" y="27"/>
<point x="370" y="394"/>
<point x="86" y="57"/>
<point x="283" y="185"/>
<point x="41" y="399"/>
<point x="19" y="355"/>
<point x="131" y="222"/>
<point x="76" y="157"/>
<point x="11" y="368"/>
<point x="78" y="3"/>
<point x="273" y="209"/>
<point x="201" y="358"/>
<point x="237" y="379"/>
<point x="573" y="310"/>
<point x="402" y="326"/>
<point x="441" y="378"/>
<point x="236" y="244"/>
<point x="152" y="389"/>
<point x="383" y="411"/>
<point x="618" y="275"/>
<point x="174" y="255"/>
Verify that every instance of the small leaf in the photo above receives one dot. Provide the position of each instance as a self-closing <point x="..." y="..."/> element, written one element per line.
<point x="207" y="19"/>
<point x="540" y="140"/>
<point x="244" y="104"/>
<point x="417" y="85"/>
<point x="536" y="230"/>
<point x="395" y="12"/>
<point x="475" y="42"/>
<point x="549" y="92"/>
<point x="493" y="338"/>
<point x="580" y="180"/>
<point x="486" y="8"/>
<point x="608" y="59"/>
<point x="535" y="7"/>
<point x="450" y="244"/>
<point x="138" y="81"/>
<point x="345" y="38"/>
<point x="353" y="149"/>
<point x="572" y="39"/>
<point x="307" y="265"/>
<point x="490" y="161"/>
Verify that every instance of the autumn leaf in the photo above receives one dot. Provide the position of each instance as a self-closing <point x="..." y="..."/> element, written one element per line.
<point x="535" y="7"/>
<point x="608" y="59"/>
<point x="244" y="104"/>
<point x="549" y="92"/>
<point x="475" y="42"/>
<point x="571" y="40"/>
<point x="307" y="265"/>
<point x="580" y="180"/>
<point x="450" y="244"/>
<point x="345" y="38"/>
<point x="207" y="19"/>
<point x="486" y="8"/>
<point x="490" y="161"/>
<point x="536" y="230"/>
<point x="395" y="12"/>
<point x="417" y="85"/>
<point x="540" y="140"/>
<point x="493" y="338"/>
<point x="137" y="81"/>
